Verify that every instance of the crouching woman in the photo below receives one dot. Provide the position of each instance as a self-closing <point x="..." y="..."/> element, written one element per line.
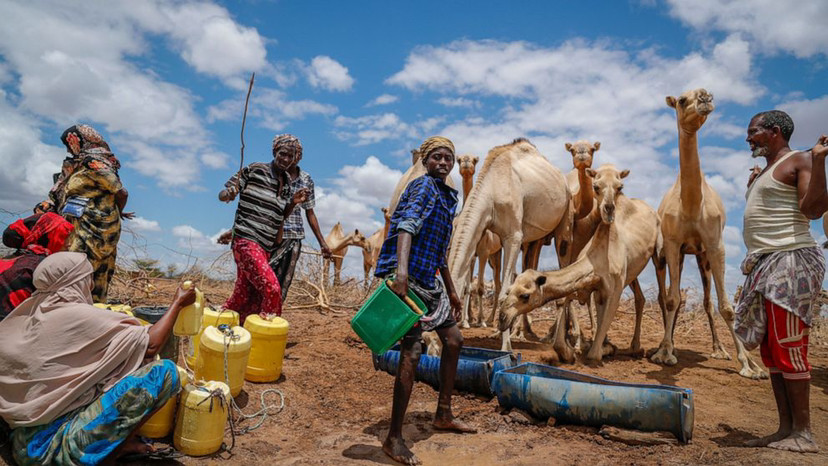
<point x="75" y="381"/>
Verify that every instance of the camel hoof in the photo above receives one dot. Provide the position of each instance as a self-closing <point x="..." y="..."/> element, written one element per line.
<point x="520" y="337"/>
<point x="465" y="324"/>
<point x="565" y="354"/>
<point x="721" y="353"/>
<point x="664" y="357"/>
<point x="549" y="338"/>
<point x="634" y="352"/>
<point x="755" y="374"/>
<point x="482" y="324"/>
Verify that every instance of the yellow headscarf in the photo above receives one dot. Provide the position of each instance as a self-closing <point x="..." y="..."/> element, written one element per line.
<point x="435" y="142"/>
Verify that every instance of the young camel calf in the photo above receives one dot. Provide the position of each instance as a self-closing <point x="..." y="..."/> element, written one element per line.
<point x="628" y="236"/>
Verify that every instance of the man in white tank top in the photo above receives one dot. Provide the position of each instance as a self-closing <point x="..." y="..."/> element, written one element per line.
<point x="784" y="269"/>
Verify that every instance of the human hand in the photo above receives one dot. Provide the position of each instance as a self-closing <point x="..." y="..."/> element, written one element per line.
<point x="225" y="237"/>
<point x="821" y="147"/>
<point x="184" y="297"/>
<point x="299" y="196"/>
<point x="400" y="286"/>
<point x="326" y="252"/>
<point x="456" y="306"/>
<point x="228" y="194"/>
<point x="43" y="207"/>
<point x="754" y="172"/>
<point x="128" y="215"/>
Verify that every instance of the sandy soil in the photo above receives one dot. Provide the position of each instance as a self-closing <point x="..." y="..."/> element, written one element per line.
<point x="337" y="406"/>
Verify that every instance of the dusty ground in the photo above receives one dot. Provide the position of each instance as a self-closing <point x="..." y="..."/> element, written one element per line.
<point x="337" y="406"/>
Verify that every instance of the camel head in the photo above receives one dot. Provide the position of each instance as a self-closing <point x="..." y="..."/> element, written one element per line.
<point x="582" y="152"/>
<point x="608" y="186"/>
<point x="360" y="240"/>
<point x="415" y="156"/>
<point x="692" y="108"/>
<point x="386" y="214"/>
<point x="524" y="295"/>
<point x="466" y="164"/>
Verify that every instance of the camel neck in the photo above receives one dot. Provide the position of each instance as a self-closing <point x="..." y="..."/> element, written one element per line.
<point x="339" y="243"/>
<point x="468" y="182"/>
<point x="586" y="195"/>
<point x="690" y="172"/>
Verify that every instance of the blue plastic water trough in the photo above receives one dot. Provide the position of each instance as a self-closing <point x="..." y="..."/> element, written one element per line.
<point x="475" y="367"/>
<point x="573" y="398"/>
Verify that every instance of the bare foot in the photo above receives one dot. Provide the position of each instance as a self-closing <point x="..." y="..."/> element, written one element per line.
<point x="764" y="441"/>
<point x="800" y="442"/>
<point x="396" y="450"/>
<point x="453" y="425"/>
<point x="134" y="444"/>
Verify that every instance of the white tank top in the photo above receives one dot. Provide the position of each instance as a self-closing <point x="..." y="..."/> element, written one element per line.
<point x="773" y="221"/>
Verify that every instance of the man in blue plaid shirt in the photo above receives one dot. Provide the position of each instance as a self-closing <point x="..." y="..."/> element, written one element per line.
<point x="414" y="251"/>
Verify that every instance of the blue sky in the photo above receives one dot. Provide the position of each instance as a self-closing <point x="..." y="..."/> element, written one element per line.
<point x="362" y="83"/>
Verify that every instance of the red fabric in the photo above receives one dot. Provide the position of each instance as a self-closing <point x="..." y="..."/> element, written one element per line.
<point x="257" y="290"/>
<point x="785" y="346"/>
<point x="54" y="227"/>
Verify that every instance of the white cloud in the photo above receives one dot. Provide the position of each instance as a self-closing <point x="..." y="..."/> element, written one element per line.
<point x="190" y="238"/>
<point x="326" y="73"/>
<point x="772" y="25"/>
<point x="371" y="129"/>
<point x="142" y="224"/>
<point x="272" y="108"/>
<point x="372" y="183"/>
<point x="383" y="99"/>
<point x="809" y="118"/>
<point x="458" y="102"/>
<point x="214" y="159"/>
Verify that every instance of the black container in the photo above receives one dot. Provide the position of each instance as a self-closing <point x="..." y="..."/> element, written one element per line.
<point x="153" y="314"/>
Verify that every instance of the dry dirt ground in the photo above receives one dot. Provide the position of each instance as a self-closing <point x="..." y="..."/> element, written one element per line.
<point x="337" y="406"/>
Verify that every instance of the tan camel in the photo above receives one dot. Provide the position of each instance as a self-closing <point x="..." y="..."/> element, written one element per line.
<point x="371" y="251"/>
<point x="627" y="237"/>
<point x="488" y="251"/>
<point x="338" y="243"/>
<point x="692" y="221"/>
<point x="520" y="197"/>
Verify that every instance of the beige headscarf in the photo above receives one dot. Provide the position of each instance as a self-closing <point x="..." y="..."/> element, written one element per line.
<point x="435" y="142"/>
<point x="57" y="351"/>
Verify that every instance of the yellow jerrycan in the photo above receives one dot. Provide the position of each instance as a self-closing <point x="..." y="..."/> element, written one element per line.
<point x="268" y="348"/>
<point x="161" y="423"/>
<point x="232" y="343"/>
<point x="214" y="318"/>
<point x="188" y="322"/>
<point x="199" y="426"/>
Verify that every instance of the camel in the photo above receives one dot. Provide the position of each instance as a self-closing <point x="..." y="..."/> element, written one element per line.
<point x="692" y="221"/>
<point x="627" y="237"/>
<point x="520" y="197"/>
<point x="487" y="251"/>
<point x="371" y="251"/>
<point x="338" y="243"/>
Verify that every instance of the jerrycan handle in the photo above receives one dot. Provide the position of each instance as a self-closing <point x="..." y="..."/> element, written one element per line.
<point x="414" y="307"/>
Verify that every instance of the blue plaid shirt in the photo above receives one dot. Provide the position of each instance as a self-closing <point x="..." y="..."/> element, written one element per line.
<point x="294" y="228"/>
<point x="426" y="210"/>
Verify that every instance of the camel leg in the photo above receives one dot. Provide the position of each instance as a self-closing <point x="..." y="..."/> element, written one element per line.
<point x="560" y="344"/>
<point x="465" y="293"/>
<point x="666" y="352"/>
<point x="749" y="367"/>
<point x="481" y="288"/>
<point x="606" y="313"/>
<point x="511" y="248"/>
<point x="635" y="344"/>
<point x="495" y="263"/>
<point x="590" y="305"/>
<point x="337" y="263"/>
<point x="719" y="352"/>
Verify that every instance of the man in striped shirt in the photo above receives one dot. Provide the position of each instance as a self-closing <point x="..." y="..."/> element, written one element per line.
<point x="265" y="200"/>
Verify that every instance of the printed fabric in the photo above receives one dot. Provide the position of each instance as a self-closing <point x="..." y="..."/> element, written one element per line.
<point x="425" y="210"/>
<point x="263" y="196"/>
<point x="789" y="279"/>
<point x="89" y="434"/>
<point x="283" y="262"/>
<point x="257" y="291"/>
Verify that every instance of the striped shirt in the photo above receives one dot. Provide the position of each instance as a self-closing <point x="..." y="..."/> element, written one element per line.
<point x="294" y="228"/>
<point x="261" y="205"/>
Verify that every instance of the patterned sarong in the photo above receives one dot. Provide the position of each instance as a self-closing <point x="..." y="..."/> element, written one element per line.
<point x="90" y="433"/>
<point x="790" y="279"/>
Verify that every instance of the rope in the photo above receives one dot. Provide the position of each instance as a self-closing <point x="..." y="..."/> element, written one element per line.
<point x="262" y="413"/>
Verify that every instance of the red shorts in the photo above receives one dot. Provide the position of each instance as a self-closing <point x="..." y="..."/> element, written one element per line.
<point x="785" y="347"/>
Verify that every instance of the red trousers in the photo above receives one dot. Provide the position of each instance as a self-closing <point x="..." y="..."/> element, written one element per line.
<point x="785" y="347"/>
<point x="257" y="289"/>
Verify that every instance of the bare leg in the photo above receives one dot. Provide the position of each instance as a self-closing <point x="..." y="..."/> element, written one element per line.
<point x="394" y="445"/>
<point x="800" y="438"/>
<point x="783" y="408"/>
<point x="452" y="342"/>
